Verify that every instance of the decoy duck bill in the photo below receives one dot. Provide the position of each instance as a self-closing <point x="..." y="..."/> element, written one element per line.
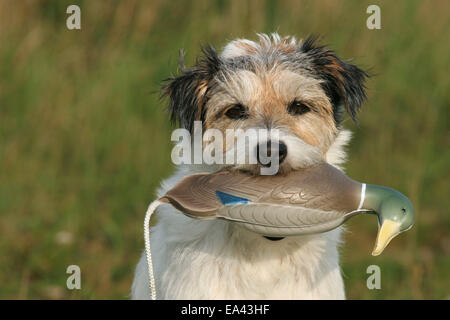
<point x="386" y="232"/>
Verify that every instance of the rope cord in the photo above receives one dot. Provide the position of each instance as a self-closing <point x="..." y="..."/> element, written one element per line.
<point x="151" y="278"/>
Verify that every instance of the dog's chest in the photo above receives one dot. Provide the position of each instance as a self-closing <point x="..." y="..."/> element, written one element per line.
<point x="228" y="262"/>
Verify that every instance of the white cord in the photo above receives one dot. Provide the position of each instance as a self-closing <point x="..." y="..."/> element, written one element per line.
<point x="151" y="279"/>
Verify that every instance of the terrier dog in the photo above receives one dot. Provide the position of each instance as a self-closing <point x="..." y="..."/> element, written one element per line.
<point x="298" y="87"/>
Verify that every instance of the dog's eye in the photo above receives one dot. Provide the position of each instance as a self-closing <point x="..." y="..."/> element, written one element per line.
<point x="238" y="111"/>
<point x="297" y="108"/>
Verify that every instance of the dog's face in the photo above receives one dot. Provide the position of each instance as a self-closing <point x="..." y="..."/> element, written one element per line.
<point x="298" y="88"/>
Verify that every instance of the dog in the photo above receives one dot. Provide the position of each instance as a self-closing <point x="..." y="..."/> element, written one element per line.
<point x="300" y="88"/>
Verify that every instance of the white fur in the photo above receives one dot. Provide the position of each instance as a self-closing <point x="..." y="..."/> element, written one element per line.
<point x="218" y="260"/>
<point x="235" y="49"/>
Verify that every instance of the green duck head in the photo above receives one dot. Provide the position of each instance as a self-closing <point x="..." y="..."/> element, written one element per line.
<point x="395" y="214"/>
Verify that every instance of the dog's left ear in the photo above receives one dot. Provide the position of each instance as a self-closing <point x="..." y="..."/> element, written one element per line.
<point x="344" y="83"/>
<point x="187" y="92"/>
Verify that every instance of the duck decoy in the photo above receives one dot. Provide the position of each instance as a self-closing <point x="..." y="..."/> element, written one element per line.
<point x="306" y="201"/>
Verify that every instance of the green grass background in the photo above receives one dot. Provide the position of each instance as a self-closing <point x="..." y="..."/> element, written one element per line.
<point x="84" y="139"/>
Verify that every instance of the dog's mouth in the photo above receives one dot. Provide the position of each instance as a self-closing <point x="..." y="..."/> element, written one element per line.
<point x="255" y="170"/>
<point x="274" y="238"/>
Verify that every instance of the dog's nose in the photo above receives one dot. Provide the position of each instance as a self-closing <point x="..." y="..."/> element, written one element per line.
<point x="275" y="147"/>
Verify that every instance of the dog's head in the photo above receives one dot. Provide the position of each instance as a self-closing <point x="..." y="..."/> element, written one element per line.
<point x="300" y="89"/>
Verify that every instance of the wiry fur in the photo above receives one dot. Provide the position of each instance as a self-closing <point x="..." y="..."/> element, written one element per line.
<point x="217" y="259"/>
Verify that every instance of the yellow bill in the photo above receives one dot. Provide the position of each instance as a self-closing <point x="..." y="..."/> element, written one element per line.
<point x="386" y="232"/>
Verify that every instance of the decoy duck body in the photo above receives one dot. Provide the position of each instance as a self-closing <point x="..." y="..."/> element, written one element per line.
<point x="312" y="200"/>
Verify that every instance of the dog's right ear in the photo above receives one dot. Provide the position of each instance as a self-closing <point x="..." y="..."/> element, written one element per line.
<point x="187" y="92"/>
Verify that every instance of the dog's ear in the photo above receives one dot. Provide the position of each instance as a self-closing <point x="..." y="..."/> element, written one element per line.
<point x="187" y="92"/>
<point x="344" y="83"/>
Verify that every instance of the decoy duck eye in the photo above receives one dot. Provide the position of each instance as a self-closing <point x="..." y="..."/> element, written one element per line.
<point x="403" y="210"/>
<point x="237" y="111"/>
<point x="297" y="108"/>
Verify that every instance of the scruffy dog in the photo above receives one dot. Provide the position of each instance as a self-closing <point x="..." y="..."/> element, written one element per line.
<point x="299" y="87"/>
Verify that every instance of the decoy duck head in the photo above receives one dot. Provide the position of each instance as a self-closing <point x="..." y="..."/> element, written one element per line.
<point x="395" y="214"/>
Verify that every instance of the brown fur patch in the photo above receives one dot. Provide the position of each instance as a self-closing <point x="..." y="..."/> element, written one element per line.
<point x="201" y="90"/>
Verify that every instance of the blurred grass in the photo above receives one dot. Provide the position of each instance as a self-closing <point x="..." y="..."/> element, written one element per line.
<point x="84" y="140"/>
